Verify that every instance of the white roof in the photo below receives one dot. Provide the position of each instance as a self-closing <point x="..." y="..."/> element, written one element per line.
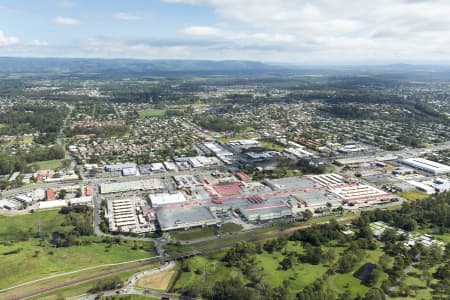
<point x="166" y="198"/>
<point x="52" y="204"/>
<point x="81" y="200"/>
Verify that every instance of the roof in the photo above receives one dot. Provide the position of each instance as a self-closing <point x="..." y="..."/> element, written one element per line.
<point x="183" y="216"/>
<point x="166" y="198"/>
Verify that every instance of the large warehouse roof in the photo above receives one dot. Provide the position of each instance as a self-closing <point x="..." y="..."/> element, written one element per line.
<point x="426" y="165"/>
<point x="166" y="198"/>
<point x="185" y="217"/>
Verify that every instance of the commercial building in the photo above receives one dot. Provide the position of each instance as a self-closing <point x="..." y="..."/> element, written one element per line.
<point x="52" y="204"/>
<point x="426" y="165"/>
<point x="166" y="199"/>
<point x="129" y="186"/>
<point x="119" y="167"/>
<point x="23" y="198"/>
<point x="87" y="200"/>
<point x="185" y="218"/>
<point x="121" y="215"/>
<point x="129" y="171"/>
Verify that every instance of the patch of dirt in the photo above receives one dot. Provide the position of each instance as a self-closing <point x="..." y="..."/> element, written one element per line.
<point x="159" y="281"/>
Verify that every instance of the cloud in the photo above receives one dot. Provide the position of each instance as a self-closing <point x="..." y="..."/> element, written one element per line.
<point x="335" y="30"/>
<point x="124" y="16"/>
<point x="65" y="21"/>
<point x="67" y="3"/>
<point x="8" y="40"/>
<point x="221" y="34"/>
<point x="41" y="43"/>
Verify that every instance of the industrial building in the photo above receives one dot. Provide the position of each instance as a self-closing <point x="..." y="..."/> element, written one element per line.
<point x="318" y="199"/>
<point x="426" y="165"/>
<point x="265" y="212"/>
<point x="121" y="215"/>
<point x="87" y="200"/>
<point x="155" y="185"/>
<point x="166" y="199"/>
<point x="119" y="167"/>
<point x="358" y="193"/>
<point x="185" y="218"/>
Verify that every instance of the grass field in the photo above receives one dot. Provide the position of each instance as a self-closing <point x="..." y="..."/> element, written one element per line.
<point x="199" y="233"/>
<point x="347" y="282"/>
<point x="46" y="221"/>
<point x="414" y="195"/>
<point x="271" y="146"/>
<point x="83" y="288"/>
<point x="26" y="260"/>
<point x="50" y="164"/>
<point x="152" y="113"/>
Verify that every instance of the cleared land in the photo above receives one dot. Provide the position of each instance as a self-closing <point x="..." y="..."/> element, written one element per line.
<point x="159" y="281"/>
<point x="414" y="195"/>
<point x="50" y="164"/>
<point x="199" y="233"/>
<point x="25" y="258"/>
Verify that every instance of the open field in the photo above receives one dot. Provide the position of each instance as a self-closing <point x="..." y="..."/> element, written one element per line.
<point x="159" y="281"/>
<point x="157" y="112"/>
<point x="414" y="195"/>
<point x="152" y="113"/>
<point x="199" y="233"/>
<point x="271" y="146"/>
<point x="26" y="258"/>
<point x="44" y="221"/>
<point x="83" y="288"/>
<point x="50" y="164"/>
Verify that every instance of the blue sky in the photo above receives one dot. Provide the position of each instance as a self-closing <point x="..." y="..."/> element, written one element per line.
<point x="297" y="31"/>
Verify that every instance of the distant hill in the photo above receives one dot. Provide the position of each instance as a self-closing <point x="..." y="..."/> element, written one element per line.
<point x="130" y="67"/>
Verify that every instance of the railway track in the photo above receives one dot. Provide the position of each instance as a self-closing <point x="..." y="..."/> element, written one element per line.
<point x="70" y="282"/>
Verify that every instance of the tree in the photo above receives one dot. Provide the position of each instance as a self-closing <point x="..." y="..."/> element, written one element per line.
<point x="307" y="215"/>
<point x="374" y="294"/>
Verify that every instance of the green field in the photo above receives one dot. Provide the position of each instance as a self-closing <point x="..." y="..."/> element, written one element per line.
<point x="26" y="260"/>
<point x="50" y="164"/>
<point x="152" y="113"/>
<point x="83" y="288"/>
<point x="413" y="195"/>
<point x="198" y="233"/>
<point x="208" y="269"/>
<point x="271" y="146"/>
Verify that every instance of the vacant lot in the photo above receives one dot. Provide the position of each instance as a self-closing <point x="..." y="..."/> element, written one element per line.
<point x="413" y="195"/>
<point x="159" y="281"/>
<point x="152" y="113"/>
<point x="24" y="258"/>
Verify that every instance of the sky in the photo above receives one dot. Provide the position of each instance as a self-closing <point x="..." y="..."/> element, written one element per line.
<point x="289" y="31"/>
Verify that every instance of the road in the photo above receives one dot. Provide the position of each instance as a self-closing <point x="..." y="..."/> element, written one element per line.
<point x="130" y="287"/>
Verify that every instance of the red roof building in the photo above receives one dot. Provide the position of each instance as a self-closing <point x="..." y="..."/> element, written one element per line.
<point x="50" y="194"/>
<point x="89" y="190"/>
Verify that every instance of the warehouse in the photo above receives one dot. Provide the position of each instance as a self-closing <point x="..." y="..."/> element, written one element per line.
<point x="130" y="171"/>
<point x="426" y="165"/>
<point x="361" y="193"/>
<point x="166" y="199"/>
<point x="290" y="183"/>
<point x="266" y="212"/>
<point x="121" y="215"/>
<point x="52" y="204"/>
<point x="318" y="199"/>
<point x="185" y="218"/>
<point x="23" y="198"/>
<point x="155" y="185"/>
<point x="87" y="200"/>
<point x="119" y="167"/>
<point x="328" y="179"/>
